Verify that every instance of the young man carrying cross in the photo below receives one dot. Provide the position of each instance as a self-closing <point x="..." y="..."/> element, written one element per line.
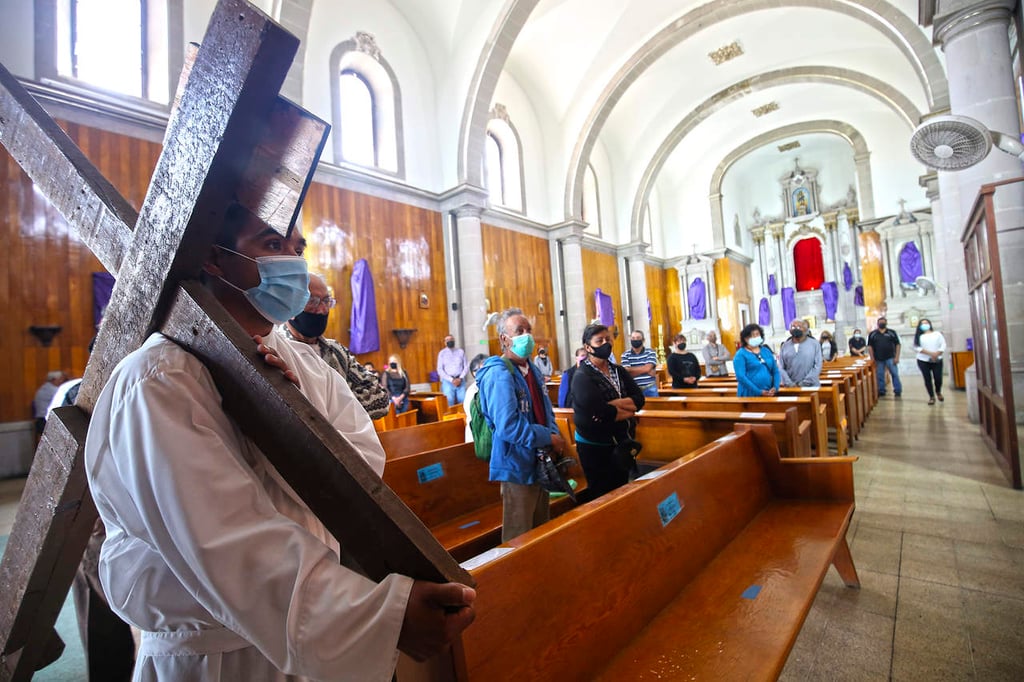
<point x="209" y="551"/>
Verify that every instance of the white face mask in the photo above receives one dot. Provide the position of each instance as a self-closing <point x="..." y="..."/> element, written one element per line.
<point x="755" y="341"/>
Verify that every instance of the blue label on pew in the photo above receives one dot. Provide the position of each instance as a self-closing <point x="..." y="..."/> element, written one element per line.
<point x="751" y="592"/>
<point x="669" y="508"/>
<point x="468" y="525"/>
<point x="430" y="473"/>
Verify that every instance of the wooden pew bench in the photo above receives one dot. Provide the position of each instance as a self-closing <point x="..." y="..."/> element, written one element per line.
<point x="422" y="437"/>
<point x="432" y="406"/>
<point x="810" y="411"/>
<point x="448" y="489"/>
<point x="667" y="435"/>
<point x="704" y="570"/>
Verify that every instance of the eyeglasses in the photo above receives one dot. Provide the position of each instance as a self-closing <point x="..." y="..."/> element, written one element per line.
<point x="316" y="302"/>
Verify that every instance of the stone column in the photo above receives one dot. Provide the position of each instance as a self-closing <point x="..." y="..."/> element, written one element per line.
<point x="887" y="266"/>
<point x="974" y="37"/>
<point x="575" y="304"/>
<point x="865" y="192"/>
<point x="777" y="235"/>
<point x="637" y="273"/>
<point x="467" y="204"/>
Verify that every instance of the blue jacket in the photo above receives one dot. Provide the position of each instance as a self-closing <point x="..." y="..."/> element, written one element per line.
<point x="505" y="402"/>
<point x="753" y="375"/>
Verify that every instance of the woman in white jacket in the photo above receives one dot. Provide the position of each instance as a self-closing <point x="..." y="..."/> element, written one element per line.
<point x="930" y="345"/>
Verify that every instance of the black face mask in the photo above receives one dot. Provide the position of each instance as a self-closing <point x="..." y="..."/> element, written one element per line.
<point x="796" y="333"/>
<point x="636" y="344"/>
<point x="882" y="325"/>
<point x="310" y="325"/>
<point x="603" y="352"/>
<point x="681" y="346"/>
<point x="393" y="365"/>
<point x="450" y="344"/>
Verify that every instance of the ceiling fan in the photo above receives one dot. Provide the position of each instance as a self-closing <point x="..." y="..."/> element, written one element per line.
<point x="951" y="143"/>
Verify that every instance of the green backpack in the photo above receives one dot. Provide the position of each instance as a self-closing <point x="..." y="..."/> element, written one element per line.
<point x="480" y="426"/>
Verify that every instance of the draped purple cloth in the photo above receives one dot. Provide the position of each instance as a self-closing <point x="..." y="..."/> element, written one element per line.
<point x="605" y="312"/>
<point x="364" y="336"/>
<point x="764" y="313"/>
<point x="830" y="295"/>
<point x="697" y="297"/>
<point x="649" y="315"/>
<point x="847" y="276"/>
<point x="788" y="305"/>
<point x="773" y="287"/>
<point x="102" y="286"/>
<point x="858" y="296"/>
<point x="910" y="263"/>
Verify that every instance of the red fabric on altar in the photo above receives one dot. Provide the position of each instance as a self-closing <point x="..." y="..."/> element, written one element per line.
<point x="810" y="269"/>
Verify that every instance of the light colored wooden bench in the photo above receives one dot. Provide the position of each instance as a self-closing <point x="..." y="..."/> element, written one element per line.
<point x="809" y="410"/>
<point x="669" y="434"/>
<point x="413" y="439"/>
<point x="705" y="570"/>
<point x="432" y="406"/>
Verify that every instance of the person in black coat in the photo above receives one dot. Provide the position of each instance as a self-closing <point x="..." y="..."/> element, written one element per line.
<point x="605" y="399"/>
<point x="683" y="367"/>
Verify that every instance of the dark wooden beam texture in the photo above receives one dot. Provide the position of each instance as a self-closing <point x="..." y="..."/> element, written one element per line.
<point x="368" y="519"/>
<point x="46" y="543"/>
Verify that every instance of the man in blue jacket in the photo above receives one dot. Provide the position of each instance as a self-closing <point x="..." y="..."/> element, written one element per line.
<point x="513" y="399"/>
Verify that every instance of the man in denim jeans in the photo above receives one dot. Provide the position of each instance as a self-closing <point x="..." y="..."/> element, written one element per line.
<point x="884" y="348"/>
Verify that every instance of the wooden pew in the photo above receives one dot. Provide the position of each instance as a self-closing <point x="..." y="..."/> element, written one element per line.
<point x="393" y="420"/>
<point x="669" y="434"/>
<point x="413" y="439"/>
<point x="432" y="406"/>
<point x="809" y="410"/>
<point x="449" y="490"/>
<point x="704" y="570"/>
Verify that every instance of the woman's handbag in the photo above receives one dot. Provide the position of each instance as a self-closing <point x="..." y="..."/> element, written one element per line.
<point x="625" y="453"/>
<point x="549" y="473"/>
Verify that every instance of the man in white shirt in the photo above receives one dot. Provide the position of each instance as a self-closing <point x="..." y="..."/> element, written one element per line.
<point x="209" y="551"/>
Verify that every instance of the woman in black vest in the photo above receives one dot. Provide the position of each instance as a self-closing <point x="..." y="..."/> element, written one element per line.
<point x="605" y="399"/>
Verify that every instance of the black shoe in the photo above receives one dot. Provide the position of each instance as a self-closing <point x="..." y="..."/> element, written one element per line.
<point x="897" y="395"/>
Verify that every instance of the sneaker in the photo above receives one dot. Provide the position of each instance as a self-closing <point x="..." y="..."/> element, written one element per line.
<point x="931" y="401"/>
<point x="941" y="399"/>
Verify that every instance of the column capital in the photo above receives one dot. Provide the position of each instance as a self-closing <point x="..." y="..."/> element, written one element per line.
<point x="954" y="18"/>
<point x="465" y="200"/>
<point x="570" y="232"/>
<point x="634" y="250"/>
<point x="758" y="234"/>
<point x="930" y="182"/>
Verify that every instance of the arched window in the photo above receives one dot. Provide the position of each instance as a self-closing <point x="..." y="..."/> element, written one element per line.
<point x="591" y="202"/>
<point x="808" y="264"/>
<point x="503" y="161"/>
<point x="357" y="129"/>
<point x="494" y="170"/>
<point x="366" y="107"/>
<point x="648" y="227"/>
<point x="120" y="46"/>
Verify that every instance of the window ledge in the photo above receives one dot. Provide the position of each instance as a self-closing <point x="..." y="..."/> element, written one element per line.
<point x="123" y="107"/>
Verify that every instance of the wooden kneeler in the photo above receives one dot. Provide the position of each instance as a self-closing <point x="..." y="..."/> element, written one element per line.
<point x="230" y="137"/>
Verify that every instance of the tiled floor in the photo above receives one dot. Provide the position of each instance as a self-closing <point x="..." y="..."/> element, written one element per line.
<point x="938" y="539"/>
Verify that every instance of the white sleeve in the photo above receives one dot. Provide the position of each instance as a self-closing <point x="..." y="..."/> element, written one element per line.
<point x="256" y="571"/>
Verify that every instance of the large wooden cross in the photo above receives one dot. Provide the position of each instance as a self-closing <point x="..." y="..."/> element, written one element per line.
<point x="229" y="136"/>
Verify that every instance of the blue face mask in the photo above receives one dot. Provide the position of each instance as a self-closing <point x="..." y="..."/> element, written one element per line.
<point x="283" y="289"/>
<point x="522" y="345"/>
<point x="926" y="327"/>
<point x="755" y="341"/>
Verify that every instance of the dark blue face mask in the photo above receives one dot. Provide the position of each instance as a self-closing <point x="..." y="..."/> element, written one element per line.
<point x="310" y="325"/>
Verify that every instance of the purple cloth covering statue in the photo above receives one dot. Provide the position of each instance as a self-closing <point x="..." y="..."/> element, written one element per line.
<point x="910" y="263"/>
<point x="364" y="336"/>
<point x="788" y="305"/>
<point x="847" y="276"/>
<point x="697" y="297"/>
<point x="830" y="295"/>
<point x="605" y="312"/>
<point x="102" y="286"/>
<point x="764" y="313"/>
<point x="773" y="287"/>
<point x="858" y="296"/>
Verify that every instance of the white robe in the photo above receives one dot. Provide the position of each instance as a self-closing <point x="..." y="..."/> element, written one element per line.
<point x="209" y="552"/>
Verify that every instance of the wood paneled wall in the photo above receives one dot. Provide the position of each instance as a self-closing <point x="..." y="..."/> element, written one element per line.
<point x="47" y="270"/>
<point x="601" y="271"/>
<point x="674" y="301"/>
<point x="517" y="273"/>
<point x="873" y="272"/>
<point x="404" y="246"/>
<point x="657" y="296"/>
<point x="732" y="285"/>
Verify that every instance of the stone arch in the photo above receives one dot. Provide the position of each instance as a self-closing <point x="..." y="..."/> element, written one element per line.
<point x="865" y="193"/>
<point x="880" y="90"/>
<point x="887" y="19"/>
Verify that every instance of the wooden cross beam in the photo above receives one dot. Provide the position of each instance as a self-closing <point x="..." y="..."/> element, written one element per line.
<point x="229" y="136"/>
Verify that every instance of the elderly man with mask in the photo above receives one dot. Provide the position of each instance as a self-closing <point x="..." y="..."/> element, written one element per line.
<point x="715" y="357"/>
<point x="800" y="361"/>
<point x="308" y="327"/>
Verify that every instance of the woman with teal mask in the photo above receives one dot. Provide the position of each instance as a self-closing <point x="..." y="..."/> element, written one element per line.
<point x="930" y="345"/>
<point x="756" y="372"/>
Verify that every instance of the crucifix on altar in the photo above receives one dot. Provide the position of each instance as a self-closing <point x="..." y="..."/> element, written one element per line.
<point x="230" y="138"/>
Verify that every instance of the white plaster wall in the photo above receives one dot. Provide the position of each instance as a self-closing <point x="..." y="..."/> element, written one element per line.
<point x="532" y="136"/>
<point x="16" y="37"/>
<point x="611" y="231"/>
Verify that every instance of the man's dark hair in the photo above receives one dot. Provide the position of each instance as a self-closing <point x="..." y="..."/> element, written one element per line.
<point x="234" y="219"/>
<point x="747" y="331"/>
<point x="591" y="331"/>
<point x="477" y="362"/>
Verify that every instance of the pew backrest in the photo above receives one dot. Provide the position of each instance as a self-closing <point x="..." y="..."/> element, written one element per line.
<point x="422" y="437"/>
